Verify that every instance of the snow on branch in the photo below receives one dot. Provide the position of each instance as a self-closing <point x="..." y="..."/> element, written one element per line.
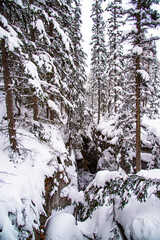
<point x="143" y="74"/>
<point x="66" y="40"/>
<point x="6" y="31"/>
<point x="137" y="50"/>
<point x="31" y="70"/>
<point x="54" y="107"/>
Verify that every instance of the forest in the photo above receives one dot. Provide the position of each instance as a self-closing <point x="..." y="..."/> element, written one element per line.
<point x="79" y="151"/>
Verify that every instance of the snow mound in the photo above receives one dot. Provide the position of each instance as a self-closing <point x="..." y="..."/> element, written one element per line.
<point x="62" y="226"/>
<point x="104" y="176"/>
<point x="153" y="173"/>
<point x="145" y="227"/>
<point x="141" y="220"/>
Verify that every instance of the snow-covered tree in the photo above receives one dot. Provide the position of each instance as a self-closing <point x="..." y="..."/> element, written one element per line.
<point x="115" y="74"/>
<point x="11" y="47"/>
<point x="142" y="17"/>
<point x="98" y="53"/>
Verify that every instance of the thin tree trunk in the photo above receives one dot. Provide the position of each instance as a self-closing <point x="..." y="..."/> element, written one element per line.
<point x="115" y="57"/>
<point x="92" y="96"/>
<point x="99" y="101"/>
<point x="51" y="111"/>
<point x="35" y="98"/>
<point x="138" y="123"/>
<point x="35" y="108"/>
<point x="98" y="78"/>
<point x="138" y="80"/>
<point x="9" y="97"/>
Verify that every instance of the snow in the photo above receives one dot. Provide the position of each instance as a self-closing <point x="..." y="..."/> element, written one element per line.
<point x="153" y="173"/>
<point x="100" y="224"/>
<point x="19" y="2"/>
<point x="22" y="180"/>
<point x="63" y="226"/>
<point x="139" y="223"/>
<point x="104" y="176"/>
<point x="40" y="26"/>
<point x="107" y="128"/>
<point x="137" y="50"/>
<point x="10" y="34"/>
<point x="65" y="38"/>
<point x="22" y="186"/>
<point x="143" y="74"/>
<point x="31" y="69"/>
<point x="146" y="157"/>
<point x="152" y="125"/>
<point x="54" y="107"/>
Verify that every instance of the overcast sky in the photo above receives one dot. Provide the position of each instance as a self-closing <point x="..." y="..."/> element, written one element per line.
<point x="86" y="26"/>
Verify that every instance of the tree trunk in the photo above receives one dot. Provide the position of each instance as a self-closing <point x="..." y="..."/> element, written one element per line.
<point x="99" y="101"/>
<point x="9" y="97"/>
<point x="138" y="80"/>
<point x="115" y="57"/>
<point x="138" y="123"/>
<point x="35" y="108"/>
<point x="35" y="98"/>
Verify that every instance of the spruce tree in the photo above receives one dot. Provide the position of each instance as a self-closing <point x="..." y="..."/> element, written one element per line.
<point x="143" y="18"/>
<point x="77" y="78"/>
<point x="11" y="46"/>
<point x="115" y="74"/>
<point x="98" y="52"/>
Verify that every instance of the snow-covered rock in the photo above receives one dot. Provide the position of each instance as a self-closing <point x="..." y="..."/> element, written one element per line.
<point x="63" y="227"/>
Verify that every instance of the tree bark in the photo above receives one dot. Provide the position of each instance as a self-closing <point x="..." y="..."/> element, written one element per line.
<point x="9" y="97"/>
<point x="138" y="80"/>
<point x="115" y="57"/>
<point x="35" y="108"/>
<point x="35" y="98"/>
<point x="98" y="78"/>
<point x="99" y="101"/>
<point x="138" y="125"/>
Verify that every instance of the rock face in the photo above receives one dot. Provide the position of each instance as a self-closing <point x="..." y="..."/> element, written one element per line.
<point x="53" y="197"/>
<point x="54" y="200"/>
<point x="101" y="151"/>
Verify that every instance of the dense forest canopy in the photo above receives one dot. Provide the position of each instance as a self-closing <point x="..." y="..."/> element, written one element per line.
<point x="76" y="142"/>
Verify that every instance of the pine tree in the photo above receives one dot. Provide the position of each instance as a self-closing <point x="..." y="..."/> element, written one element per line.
<point x="77" y="80"/>
<point x="11" y="46"/>
<point x="143" y="17"/>
<point x="98" y="52"/>
<point x="115" y="57"/>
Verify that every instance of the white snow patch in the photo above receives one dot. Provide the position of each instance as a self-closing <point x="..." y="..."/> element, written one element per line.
<point x="152" y="125"/>
<point x="146" y="157"/>
<point x="104" y="176"/>
<point x="63" y="226"/>
<point x="19" y="2"/>
<point x="31" y="69"/>
<point x="153" y="173"/>
<point x="54" y="107"/>
<point x="143" y="74"/>
<point x="141" y="220"/>
<point x="137" y="50"/>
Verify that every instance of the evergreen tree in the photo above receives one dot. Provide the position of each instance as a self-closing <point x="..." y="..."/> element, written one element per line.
<point x="143" y="17"/>
<point x="11" y="47"/>
<point x="115" y="57"/>
<point x="98" y="52"/>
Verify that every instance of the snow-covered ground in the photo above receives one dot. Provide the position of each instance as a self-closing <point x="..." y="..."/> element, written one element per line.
<point x="22" y="179"/>
<point x="140" y="220"/>
<point x="22" y="189"/>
